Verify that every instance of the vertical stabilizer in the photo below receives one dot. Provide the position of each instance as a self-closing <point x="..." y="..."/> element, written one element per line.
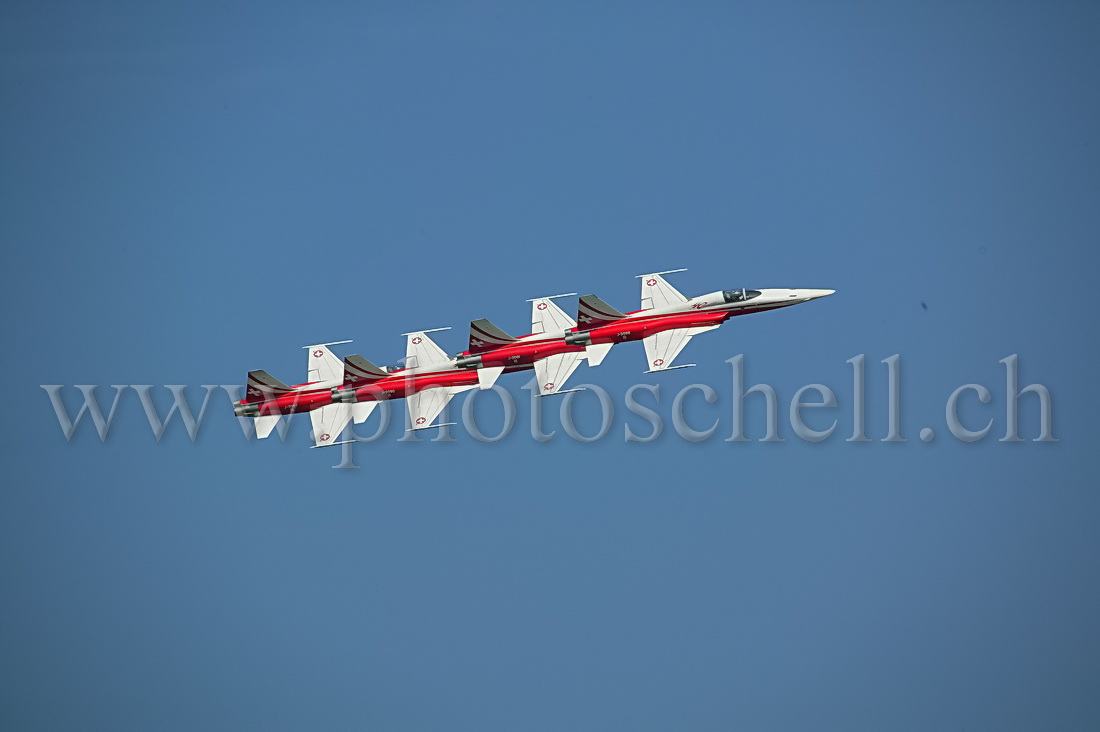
<point x="592" y="312"/>
<point x="484" y="336"/>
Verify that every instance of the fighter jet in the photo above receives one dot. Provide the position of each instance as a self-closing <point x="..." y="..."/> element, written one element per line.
<point x="336" y="392"/>
<point x="428" y="379"/>
<point x="267" y="398"/>
<point x="668" y="319"/>
<point x="492" y="351"/>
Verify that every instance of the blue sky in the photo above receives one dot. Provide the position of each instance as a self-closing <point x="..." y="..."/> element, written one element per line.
<point x="193" y="190"/>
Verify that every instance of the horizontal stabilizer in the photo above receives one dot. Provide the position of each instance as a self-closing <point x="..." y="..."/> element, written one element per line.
<point x="484" y="336"/>
<point x="362" y="410"/>
<point x="358" y="369"/>
<point x="488" y="376"/>
<point x="592" y="312"/>
<point x="597" y="352"/>
<point x="262" y="385"/>
<point x="265" y="424"/>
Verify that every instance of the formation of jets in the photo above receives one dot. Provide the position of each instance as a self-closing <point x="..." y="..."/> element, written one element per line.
<point x="336" y="392"/>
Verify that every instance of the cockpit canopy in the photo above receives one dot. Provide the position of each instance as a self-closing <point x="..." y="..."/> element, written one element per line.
<point x="740" y="295"/>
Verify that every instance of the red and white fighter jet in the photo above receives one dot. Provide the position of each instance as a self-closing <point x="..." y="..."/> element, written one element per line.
<point x="492" y="351"/>
<point x="336" y="392"/>
<point x="668" y="319"/>
<point x="428" y="380"/>
<point x="267" y="398"/>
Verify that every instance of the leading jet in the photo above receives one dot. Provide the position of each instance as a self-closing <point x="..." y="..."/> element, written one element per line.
<point x="668" y="319"/>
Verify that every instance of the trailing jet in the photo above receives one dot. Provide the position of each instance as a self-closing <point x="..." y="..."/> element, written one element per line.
<point x="267" y="398"/>
<point x="492" y="351"/>
<point x="668" y="319"/>
<point x="427" y="378"/>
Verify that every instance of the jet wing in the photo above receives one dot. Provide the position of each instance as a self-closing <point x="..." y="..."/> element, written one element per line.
<point x="657" y="293"/>
<point x="547" y="317"/>
<point x="553" y="371"/>
<point x="425" y="406"/>
<point x="328" y="422"/>
<point x="661" y="349"/>
<point x="323" y="365"/>
<point x="421" y="351"/>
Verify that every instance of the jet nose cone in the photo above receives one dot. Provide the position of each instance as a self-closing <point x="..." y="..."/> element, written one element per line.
<point x="814" y="294"/>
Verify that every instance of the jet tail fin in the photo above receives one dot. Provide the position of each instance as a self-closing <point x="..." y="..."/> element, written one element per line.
<point x="357" y="369"/>
<point x="592" y="312"/>
<point x="485" y="336"/>
<point x="262" y="385"/>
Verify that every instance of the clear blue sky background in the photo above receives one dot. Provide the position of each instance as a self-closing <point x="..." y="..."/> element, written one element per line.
<point x="191" y="190"/>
